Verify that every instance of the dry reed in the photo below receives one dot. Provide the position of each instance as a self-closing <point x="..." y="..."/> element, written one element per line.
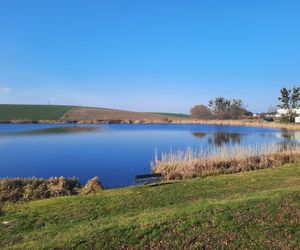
<point x="17" y="189"/>
<point x="243" y="122"/>
<point x="224" y="160"/>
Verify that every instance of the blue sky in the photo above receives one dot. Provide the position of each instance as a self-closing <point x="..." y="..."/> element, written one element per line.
<point x="156" y="55"/>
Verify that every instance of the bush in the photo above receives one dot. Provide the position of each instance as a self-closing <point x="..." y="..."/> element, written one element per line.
<point x="201" y="112"/>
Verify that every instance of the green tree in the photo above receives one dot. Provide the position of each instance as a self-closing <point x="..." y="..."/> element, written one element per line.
<point x="285" y="98"/>
<point x="295" y="97"/>
<point x="227" y="109"/>
<point x="289" y="99"/>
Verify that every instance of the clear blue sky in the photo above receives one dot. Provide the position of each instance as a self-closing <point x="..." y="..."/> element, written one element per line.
<point x="144" y="55"/>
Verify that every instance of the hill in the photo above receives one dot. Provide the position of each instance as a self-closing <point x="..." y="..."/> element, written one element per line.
<point x="74" y="113"/>
<point x="253" y="210"/>
<point x="89" y="114"/>
<point x="32" y="112"/>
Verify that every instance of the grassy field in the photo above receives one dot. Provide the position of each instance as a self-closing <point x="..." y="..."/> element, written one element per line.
<point x="32" y="112"/>
<point x="254" y="210"/>
<point x="176" y="115"/>
<point x="57" y="112"/>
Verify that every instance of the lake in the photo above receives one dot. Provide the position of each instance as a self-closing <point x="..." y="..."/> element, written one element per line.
<point x="115" y="153"/>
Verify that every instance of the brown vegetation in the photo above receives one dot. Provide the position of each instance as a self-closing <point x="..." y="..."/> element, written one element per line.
<point x="92" y="186"/>
<point x="17" y="189"/>
<point x="201" y="112"/>
<point x="225" y="160"/>
<point x="115" y="116"/>
<point x="243" y="122"/>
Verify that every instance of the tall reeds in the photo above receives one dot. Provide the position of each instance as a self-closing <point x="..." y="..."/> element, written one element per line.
<point x="191" y="163"/>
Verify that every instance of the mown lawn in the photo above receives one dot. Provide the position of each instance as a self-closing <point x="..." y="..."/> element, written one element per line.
<point x="254" y="210"/>
<point x="32" y="112"/>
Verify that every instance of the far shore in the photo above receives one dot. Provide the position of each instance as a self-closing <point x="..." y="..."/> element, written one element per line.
<point x="246" y="122"/>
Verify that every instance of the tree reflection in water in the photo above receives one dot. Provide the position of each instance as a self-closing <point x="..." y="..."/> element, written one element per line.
<point x="220" y="139"/>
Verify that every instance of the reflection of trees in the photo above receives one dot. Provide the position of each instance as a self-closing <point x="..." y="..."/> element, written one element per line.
<point x="219" y="139"/>
<point x="199" y="134"/>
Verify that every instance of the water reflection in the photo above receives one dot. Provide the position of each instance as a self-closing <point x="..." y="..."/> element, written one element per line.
<point x="290" y="135"/>
<point x="220" y="139"/>
<point x="199" y="134"/>
<point x="51" y="131"/>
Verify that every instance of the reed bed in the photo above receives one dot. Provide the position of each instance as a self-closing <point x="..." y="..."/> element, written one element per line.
<point x="191" y="163"/>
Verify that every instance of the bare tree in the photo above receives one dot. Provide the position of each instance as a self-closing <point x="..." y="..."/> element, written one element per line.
<point x="201" y="112"/>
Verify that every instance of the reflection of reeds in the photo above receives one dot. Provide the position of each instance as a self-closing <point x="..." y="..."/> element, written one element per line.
<point x="190" y="163"/>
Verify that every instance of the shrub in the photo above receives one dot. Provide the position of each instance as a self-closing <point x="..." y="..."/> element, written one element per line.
<point x="201" y="112"/>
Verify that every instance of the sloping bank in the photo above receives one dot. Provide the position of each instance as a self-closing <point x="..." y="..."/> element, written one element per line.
<point x="251" y="210"/>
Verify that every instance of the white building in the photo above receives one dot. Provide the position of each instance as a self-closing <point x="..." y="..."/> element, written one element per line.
<point x="281" y="112"/>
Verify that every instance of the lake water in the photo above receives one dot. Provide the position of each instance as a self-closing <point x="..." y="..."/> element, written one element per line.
<point x="115" y="153"/>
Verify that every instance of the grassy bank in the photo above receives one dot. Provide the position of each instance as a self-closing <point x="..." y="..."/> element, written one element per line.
<point x="258" y="209"/>
<point x="32" y="112"/>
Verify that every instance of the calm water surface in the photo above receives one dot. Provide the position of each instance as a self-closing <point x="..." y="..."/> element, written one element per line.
<point x="115" y="153"/>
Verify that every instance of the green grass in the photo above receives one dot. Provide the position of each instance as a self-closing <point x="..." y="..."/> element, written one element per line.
<point x="32" y="112"/>
<point x="178" y="115"/>
<point x="254" y="210"/>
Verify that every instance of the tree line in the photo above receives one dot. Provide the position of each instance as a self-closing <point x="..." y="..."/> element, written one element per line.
<point x="220" y="108"/>
<point x="223" y="108"/>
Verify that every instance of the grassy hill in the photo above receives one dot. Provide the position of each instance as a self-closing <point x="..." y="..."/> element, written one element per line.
<point x="254" y="210"/>
<point x="32" y="112"/>
<point x="57" y="112"/>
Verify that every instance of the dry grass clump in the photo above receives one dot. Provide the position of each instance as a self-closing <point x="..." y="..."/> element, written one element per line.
<point x="92" y="186"/>
<point x="224" y="160"/>
<point x="17" y="189"/>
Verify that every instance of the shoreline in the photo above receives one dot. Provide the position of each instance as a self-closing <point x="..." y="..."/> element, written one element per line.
<point x="248" y="123"/>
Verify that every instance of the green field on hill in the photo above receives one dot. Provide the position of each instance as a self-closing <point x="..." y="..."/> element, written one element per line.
<point x="9" y="112"/>
<point x="253" y="210"/>
<point x="177" y="115"/>
<point x="32" y="112"/>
